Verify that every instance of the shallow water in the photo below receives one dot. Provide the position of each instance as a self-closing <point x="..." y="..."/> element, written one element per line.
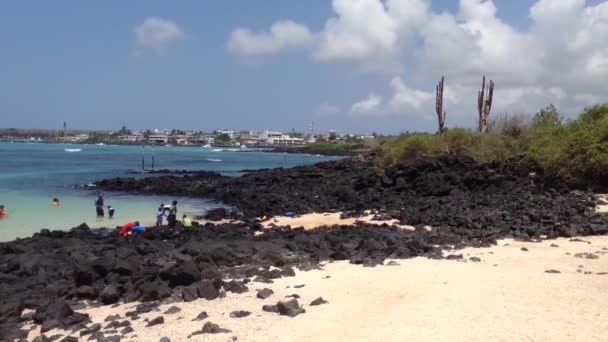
<point x="31" y="175"/>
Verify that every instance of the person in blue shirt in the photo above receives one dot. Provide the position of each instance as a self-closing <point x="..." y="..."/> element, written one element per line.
<point x="110" y="211"/>
<point x="99" y="205"/>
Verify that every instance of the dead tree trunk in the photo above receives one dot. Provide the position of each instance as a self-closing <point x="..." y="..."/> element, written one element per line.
<point x="439" y="106"/>
<point x="484" y="104"/>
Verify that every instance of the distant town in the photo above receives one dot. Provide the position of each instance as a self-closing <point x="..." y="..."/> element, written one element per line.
<point x="223" y="137"/>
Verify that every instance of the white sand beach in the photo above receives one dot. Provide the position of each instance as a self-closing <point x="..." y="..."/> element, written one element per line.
<point x="507" y="296"/>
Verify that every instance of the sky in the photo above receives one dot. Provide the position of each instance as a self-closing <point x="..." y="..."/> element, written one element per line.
<point x="350" y="65"/>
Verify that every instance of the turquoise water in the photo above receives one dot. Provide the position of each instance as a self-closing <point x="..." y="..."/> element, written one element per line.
<point x="31" y="175"/>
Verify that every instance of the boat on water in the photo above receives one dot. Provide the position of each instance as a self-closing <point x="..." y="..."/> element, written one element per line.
<point x="72" y="149"/>
<point x="243" y="146"/>
<point x="206" y="146"/>
<point x="213" y="160"/>
<point x="100" y="144"/>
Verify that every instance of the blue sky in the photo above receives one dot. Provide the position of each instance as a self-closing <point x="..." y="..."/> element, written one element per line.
<point x="83" y="62"/>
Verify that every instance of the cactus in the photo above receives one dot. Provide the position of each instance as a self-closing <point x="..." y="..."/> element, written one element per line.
<point x="439" y="106"/>
<point x="484" y="104"/>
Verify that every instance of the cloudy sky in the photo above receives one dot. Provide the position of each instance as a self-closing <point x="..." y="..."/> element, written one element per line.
<point x="350" y="65"/>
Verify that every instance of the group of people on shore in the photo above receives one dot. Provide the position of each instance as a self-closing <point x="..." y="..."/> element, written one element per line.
<point x="168" y="211"/>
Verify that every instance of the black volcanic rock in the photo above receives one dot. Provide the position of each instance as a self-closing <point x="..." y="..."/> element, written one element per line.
<point x="465" y="203"/>
<point x="239" y="314"/>
<point x="156" y="321"/>
<point x="264" y="293"/>
<point x="290" y="308"/>
<point x="318" y="301"/>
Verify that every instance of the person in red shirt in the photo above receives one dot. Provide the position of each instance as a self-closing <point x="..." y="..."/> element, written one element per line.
<point x="2" y="211"/>
<point x="133" y="227"/>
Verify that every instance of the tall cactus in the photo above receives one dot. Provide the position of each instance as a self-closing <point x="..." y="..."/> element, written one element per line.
<point x="484" y="104"/>
<point x="439" y="106"/>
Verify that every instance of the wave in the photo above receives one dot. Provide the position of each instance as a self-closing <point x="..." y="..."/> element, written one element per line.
<point x="72" y="149"/>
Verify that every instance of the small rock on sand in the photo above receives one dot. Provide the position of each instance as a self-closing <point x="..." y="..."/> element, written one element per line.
<point x="164" y="339"/>
<point x="391" y="263"/>
<point x="318" y="301"/>
<point x="270" y="308"/>
<point x="239" y="314"/>
<point x="290" y="308"/>
<point x="210" y="328"/>
<point x="156" y="321"/>
<point x="201" y="316"/>
<point x="172" y="310"/>
<point x="524" y="249"/>
<point x="299" y="286"/>
<point x="264" y="293"/>
<point x="111" y="318"/>
<point x="552" y="271"/>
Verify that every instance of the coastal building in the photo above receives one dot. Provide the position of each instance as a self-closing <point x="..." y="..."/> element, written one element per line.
<point x="130" y="138"/>
<point x="158" y="138"/>
<point x="75" y="138"/>
<point x="227" y="132"/>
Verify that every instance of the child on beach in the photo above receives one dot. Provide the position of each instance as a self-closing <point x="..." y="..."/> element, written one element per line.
<point x="110" y="211"/>
<point x="186" y="221"/>
<point x="160" y="213"/>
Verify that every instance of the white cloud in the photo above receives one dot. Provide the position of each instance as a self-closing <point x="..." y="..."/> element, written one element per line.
<point x="156" y="34"/>
<point x="328" y="109"/>
<point x="282" y="35"/>
<point x="561" y="58"/>
<point x="405" y="97"/>
<point x="368" y="105"/>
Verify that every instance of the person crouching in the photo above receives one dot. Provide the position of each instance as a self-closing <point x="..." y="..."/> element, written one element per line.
<point x="132" y="227"/>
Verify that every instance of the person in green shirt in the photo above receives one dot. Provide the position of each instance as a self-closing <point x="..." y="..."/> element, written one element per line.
<point x="186" y="221"/>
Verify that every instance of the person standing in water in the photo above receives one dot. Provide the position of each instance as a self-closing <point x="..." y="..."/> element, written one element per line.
<point x="99" y="205"/>
<point x="172" y="218"/>
<point x="55" y="202"/>
<point x="110" y="211"/>
<point x="2" y="211"/>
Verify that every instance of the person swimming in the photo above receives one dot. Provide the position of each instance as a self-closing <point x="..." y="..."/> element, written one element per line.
<point x="110" y="211"/>
<point x="186" y="221"/>
<point x="55" y="202"/>
<point x="2" y="211"/>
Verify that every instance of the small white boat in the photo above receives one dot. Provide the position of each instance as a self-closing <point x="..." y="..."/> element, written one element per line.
<point x="217" y="150"/>
<point x="213" y="160"/>
<point x="206" y="146"/>
<point x="100" y="144"/>
<point x="243" y="146"/>
<point x="72" y="149"/>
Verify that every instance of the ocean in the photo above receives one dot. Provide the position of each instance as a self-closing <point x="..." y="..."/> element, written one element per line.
<point x="32" y="174"/>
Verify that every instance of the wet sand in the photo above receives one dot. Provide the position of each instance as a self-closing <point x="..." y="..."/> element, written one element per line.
<point x="507" y="296"/>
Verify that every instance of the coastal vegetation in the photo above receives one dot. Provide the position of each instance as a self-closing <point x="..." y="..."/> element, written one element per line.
<point x="571" y="150"/>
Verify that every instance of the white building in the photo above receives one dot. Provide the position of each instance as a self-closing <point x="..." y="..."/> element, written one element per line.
<point x="130" y="138"/>
<point x="159" y="138"/>
<point x="227" y="132"/>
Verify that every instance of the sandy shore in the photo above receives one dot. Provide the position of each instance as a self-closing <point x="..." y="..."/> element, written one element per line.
<point x="507" y="296"/>
<point x="311" y="221"/>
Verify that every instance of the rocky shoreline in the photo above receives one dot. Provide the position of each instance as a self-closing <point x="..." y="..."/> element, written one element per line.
<point x="465" y="204"/>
